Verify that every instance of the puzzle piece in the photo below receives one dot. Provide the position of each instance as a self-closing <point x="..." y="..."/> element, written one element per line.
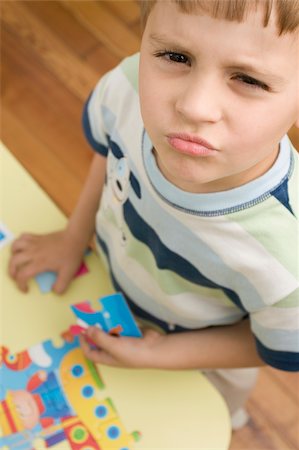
<point x="46" y="280"/>
<point x="114" y="317"/>
<point x="6" y="235"/>
<point x="112" y="434"/>
<point x="18" y="441"/>
<point x="77" y="371"/>
<point x="18" y="361"/>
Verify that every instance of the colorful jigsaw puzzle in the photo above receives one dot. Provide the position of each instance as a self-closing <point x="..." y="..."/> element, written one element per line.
<point x="55" y="394"/>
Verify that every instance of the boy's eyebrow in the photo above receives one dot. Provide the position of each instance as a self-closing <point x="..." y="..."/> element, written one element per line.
<point x="252" y="69"/>
<point x="164" y="40"/>
<point x="158" y="37"/>
<point x="242" y="67"/>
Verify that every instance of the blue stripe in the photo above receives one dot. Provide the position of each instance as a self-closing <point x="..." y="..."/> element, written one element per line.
<point x="97" y="146"/>
<point x="282" y="195"/>
<point x="137" y="311"/>
<point x="115" y="149"/>
<point x="166" y="258"/>
<point x="135" y="185"/>
<point x="282" y="360"/>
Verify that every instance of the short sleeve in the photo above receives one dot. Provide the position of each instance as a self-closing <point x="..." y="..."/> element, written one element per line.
<point x="93" y="118"/>
<point x="276" y="331"/>
<point x="112" y="105"/>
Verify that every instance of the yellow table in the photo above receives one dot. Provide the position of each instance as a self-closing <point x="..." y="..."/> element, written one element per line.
<point x="173" y="410"/>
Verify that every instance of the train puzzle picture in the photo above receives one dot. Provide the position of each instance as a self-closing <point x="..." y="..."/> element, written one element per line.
<point x="53" y="394"/>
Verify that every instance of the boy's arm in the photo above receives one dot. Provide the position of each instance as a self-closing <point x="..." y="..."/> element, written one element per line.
<point x="61" y="251"/>
<point x="81" y="224"/>
<point x="231" y="346"/>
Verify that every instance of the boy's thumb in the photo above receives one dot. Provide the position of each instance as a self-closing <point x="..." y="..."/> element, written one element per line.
<point x="100" y="338"/>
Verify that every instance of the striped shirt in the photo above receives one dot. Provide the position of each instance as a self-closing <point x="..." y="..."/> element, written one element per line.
<point x="189" y="261"/>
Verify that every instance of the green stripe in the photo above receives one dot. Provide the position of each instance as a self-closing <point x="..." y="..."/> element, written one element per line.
<point x="290" y="301"/>
<point x="95" y="375"/>
<point x="293" y="186"/>
<point x="130" y="67"/>
<point x="271" y="213"/>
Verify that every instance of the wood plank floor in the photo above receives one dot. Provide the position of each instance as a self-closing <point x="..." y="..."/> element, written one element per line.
<point x="52" y="53"/>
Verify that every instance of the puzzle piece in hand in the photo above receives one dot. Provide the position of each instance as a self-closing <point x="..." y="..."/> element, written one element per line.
<point x="46" y="280"/>
<point x="115" y="317"/>
<point x="5" y="235"/>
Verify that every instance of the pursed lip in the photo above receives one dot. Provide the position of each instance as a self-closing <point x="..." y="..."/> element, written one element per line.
<point x="190" y="144"/>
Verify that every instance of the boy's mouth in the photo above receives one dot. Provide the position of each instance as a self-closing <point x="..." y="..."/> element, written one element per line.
<point x="190" y="145"/>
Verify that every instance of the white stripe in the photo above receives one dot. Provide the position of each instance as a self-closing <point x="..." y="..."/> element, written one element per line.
<point x="278" y="318"/>
<point x="275" y="339"/>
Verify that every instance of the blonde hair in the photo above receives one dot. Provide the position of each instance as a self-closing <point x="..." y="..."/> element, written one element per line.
<point x="287" y="11"/>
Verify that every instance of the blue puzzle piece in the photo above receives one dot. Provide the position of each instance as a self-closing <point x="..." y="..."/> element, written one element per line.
<point x="46" y="281"/>
<point x="115" y="313"/>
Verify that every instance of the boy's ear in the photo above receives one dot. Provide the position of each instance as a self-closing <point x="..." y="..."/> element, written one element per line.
<point x="296" y="124"/>
<point x="294" y="136"/>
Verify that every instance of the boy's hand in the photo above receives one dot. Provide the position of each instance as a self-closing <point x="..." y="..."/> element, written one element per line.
<point x="229" y="346"/>
<point x="123" y="351"/>
<point x="33" y="254"/>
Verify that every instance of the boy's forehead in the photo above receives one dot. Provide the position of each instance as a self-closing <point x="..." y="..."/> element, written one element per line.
<point x="254" y="12"/>
<point x="168" y="21"/>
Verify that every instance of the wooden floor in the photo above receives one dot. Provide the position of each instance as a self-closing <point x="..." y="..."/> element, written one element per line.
<point x="52" y="54"/>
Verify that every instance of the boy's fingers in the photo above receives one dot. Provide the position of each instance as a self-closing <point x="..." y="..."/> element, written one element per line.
<point x="23" y="286"/>
<point x="100" y="338"/>
<point x="60" y="285"/>
<point x="64" y="278"/>
<point x="108" y="345"/>
<point x="22" y="283"/>
<point x="24" y="274"/>
<point x="20" y="243"/>
<point x="16" y="263"/>
<point x="96" y="355"/>
<point x="84" y="344"/>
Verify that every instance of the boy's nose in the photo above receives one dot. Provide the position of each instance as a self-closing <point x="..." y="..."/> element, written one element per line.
<point x="200" y="101"/>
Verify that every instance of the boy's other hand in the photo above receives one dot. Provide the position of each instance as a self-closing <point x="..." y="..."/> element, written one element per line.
<point x="33" y="254"/>
<point x="123" y="351"/>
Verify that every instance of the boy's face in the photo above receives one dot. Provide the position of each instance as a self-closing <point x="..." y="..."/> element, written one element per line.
<point x="216" y="96"/>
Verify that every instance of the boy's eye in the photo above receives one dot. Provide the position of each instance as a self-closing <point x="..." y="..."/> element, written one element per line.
<point x="173" y="57"/>
<point x="251" y="82"/>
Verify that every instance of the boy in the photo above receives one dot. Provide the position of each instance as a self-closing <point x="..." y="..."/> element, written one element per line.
<point x="198" y="182"/>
